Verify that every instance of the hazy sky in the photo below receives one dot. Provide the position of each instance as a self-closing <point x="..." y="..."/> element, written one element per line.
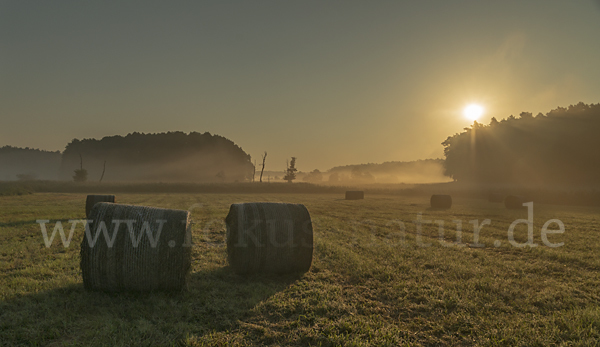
<point x="330" y="82"/>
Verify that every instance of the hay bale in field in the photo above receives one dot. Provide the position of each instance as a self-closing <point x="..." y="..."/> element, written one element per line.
<point x="514" y="202"/>
<point x="92" y="200"/>
<point x="441" y="201"/>
<point x="495" y="197"/>
<point x="269" y="238"/>
<point x="355" y="195"/>
<point x="151" y="249"/>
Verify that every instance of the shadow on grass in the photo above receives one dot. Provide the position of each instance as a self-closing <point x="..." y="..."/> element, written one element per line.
<point x="66" y="222"/>
<point x="18" y="223"/>
<point x="215" y="301"/>
<point x="438" y="208"/>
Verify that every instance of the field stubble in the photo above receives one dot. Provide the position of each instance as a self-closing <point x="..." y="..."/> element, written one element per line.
<point x="370" y="283"/>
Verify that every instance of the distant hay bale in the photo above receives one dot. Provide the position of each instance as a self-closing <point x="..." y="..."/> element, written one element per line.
<point x="495" y="197"/>
<point x="515" y="202"/>
<point x="94" y="199"/>
<point x="269" y="238"/>
<point x="355" y="195"/>
<point x="154" y="254"/>
<point x="441" y="201"/>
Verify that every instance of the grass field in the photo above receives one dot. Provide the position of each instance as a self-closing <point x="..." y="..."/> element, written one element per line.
<point x="369" y="283"/>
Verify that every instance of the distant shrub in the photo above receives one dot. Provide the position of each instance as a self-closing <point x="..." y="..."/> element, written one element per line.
<point x="314" y="176"/>
<point x="80" y="175"/>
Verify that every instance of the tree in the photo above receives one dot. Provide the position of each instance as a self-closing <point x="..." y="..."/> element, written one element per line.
<point x="164" y="157"/>
<point x="358" y="176"/>
<point x="81" y="173"/>
<point x="555" y="149"/>
<point x="526" y="115"/>
<point x="103" y="171"/>
<point x="263" y="166"/>
<point x="314" y="176"/>
<point x="33" y="163"/>
<point x="291" y="171"/>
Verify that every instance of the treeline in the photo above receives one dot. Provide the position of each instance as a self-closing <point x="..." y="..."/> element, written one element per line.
<point x="137" y="157"/>
<point x="162" y="157"/>
<point x="28" y="164"/>
<point x="419" y="171"/>
<point x="558" y="148"/>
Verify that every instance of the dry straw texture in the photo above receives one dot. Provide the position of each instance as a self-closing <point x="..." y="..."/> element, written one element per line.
<point x="355" y="195"/>
<point x="136" y="261"/>
<point x="269" y="238"/>
<point x="441" y="201"/>
<point x="94" y="199"/>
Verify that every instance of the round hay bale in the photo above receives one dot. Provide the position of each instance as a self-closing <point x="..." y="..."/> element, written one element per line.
<point x="495" y="197"/>
<point x="441" y="201"/>
<point x="355" y="195"/>
<point x="136" y="248"/>
<point x="269" y="238"/>
<point x="92" y="200"/>
<point x="515" y="202"/>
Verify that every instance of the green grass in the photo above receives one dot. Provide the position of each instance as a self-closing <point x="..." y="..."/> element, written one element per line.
<point x="369" y="284"/>
<point x="16" y="188"/>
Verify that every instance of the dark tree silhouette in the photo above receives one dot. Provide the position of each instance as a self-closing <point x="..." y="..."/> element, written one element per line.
<point x="28" y="164"/>
<point x="291" y="171"/>
<point x="103" y="171"/>
<point x="165" y="157"/>
<point x="559" y="148"/>
<point x="264" y="157"/>
<point x="81" y="174"/>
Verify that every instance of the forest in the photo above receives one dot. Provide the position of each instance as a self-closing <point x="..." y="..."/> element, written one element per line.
<point x="558" y="149"/>
<point x="419" y="171"/>
<point x="28" y="164"/>
<point x="162" y="157"/>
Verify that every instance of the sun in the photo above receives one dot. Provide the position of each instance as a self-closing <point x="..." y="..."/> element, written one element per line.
<point x="473" y="111"/>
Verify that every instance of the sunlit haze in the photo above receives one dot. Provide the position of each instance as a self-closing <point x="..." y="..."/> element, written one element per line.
<point x="331" y="83"/>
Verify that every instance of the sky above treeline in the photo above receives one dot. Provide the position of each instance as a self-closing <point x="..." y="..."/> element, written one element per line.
<point x="329" y="82"/>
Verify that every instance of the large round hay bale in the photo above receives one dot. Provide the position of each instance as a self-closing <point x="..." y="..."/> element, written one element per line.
<point x="269" y="238"/>
<point x="495" y="197"/>
<point x="92" y="200"/>
<point x="441" y="201"/>
<point x="514" y="202"/>
<point x="150" y="251"/>
<point x="355" y="195"/>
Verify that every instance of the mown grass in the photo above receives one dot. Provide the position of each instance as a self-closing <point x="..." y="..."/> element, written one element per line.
<point x="369" y="283"/>
<point x="578" y="196"/>
<point x="10" y="189"/>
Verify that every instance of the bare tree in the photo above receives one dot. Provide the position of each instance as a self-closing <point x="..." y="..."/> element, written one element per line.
<point x="263" y="166"/>
<point x="103" y="171"/>
<point x="81" y="173"/>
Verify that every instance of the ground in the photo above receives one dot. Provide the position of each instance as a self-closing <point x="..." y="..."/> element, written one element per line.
<point x="370" y="283"/>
